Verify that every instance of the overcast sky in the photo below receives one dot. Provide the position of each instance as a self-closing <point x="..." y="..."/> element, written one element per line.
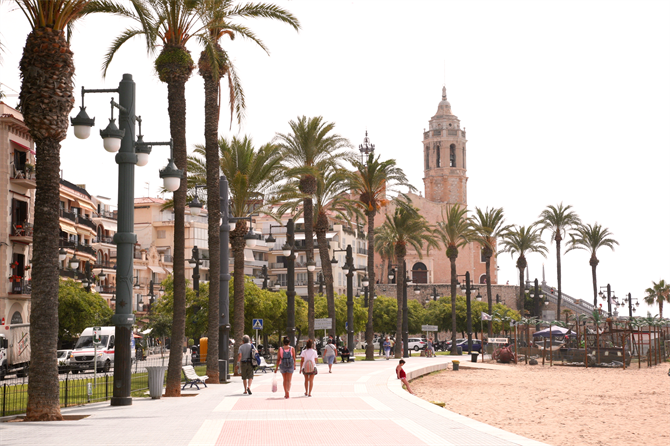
<point x="564" y="101"/>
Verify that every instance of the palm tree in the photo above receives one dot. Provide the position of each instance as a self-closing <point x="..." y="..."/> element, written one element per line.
<point x="168" y="24"/>
<point x="521" y="240"/>
<point x="591" y="238"/>
<point x="214" y="63"/>
<point x="46" y="99"/>
<point x="407" y="227"/>
<point x="657" y="294"/>
<point x="488" y="225"/>
<point x="384" y="246"/>
<point x="455" y="231"/>
<point x="303" y="151"/>
<point x="558" y="219"/>
<point x="252" y="174"/>
<point x="371" y="182"/>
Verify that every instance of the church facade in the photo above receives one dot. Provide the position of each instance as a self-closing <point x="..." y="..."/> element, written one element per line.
<point x="445" y="183"/>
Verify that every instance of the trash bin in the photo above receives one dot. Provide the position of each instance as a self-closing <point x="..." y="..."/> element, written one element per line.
<point x="456" y="365"/>
<point x="459" y="350"/>
<point x="156" y="377"/>
<point x="474" y="356"/>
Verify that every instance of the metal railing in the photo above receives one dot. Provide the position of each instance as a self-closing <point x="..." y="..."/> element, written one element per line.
<point x="68" y="215"/>
<point x="21" y="287"/>
<point x="106" y="214"/>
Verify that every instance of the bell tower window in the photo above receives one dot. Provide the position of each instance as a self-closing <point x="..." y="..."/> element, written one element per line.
<point x="438" y="161"/>
<point x="452" y="156"/>
<point x="427" y="159"/>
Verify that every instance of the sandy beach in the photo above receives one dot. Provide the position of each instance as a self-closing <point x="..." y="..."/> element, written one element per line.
<point x="561" y="406"/>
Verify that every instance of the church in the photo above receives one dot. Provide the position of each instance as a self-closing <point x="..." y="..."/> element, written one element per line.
<point x="445" y="183"/>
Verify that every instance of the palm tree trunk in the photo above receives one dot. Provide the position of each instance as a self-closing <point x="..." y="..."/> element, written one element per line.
<point x="454" y="280"/>
<point x="237" y="245"/>
<point x="47" y="69"/>
<point x="327" y="270"/>
<point x="522" y="293"/>
<point x="558" y="274"/>
<point x="177" y="113"/>
<point x="213" y="208"/>
<point x="488" y="291"/>
<point x="309" y="246"/>
<point x="400" y="286"/>
<point x="594" y="263"/>
<point x="369" y="327"/>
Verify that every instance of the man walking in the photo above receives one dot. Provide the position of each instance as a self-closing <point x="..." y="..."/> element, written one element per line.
<point x="244" y="366"/>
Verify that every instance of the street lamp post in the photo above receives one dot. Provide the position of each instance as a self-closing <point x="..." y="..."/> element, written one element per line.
<point x="196" y="261"/>
<point x="405" y="310"/>
<point x="131" y="152"/>
<point x="536" y="295"/>
<point x="631" y="307"/>
<point x="609" y="297"/>
<point x="468" y="288"/>
<point x="321" y="281"/>
<point x="349" y="266"/>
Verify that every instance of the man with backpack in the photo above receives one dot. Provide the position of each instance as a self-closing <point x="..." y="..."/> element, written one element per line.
<point x="245" y="366"/>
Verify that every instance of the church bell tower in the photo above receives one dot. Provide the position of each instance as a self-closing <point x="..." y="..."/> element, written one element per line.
<point x="444" y="155"/>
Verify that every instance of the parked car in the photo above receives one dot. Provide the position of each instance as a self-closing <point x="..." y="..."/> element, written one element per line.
<point x="375" y="344"/>
<point x="63" y="359"/>
<point x="416" y="344"/>
<point x="476" y="345"/>
<point x="447" y="344"/>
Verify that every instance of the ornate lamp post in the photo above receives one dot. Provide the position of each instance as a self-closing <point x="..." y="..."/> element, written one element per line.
<point x="536" y="294"/>
<point x="131" y="152"/>
<point x="609" y="297"/>
<point x="468" y="287"/>
<point x="349" y="266"/>
<point x="196" y="261"/>
<point x="405" y="309"/>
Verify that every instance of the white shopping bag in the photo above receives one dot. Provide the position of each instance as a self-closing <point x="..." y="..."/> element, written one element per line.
<point x="274" y="384"/>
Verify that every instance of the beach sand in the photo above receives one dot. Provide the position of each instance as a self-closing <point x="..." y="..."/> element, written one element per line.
<point x="561" y="406"/>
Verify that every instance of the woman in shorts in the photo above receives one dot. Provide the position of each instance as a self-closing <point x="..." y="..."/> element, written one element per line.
<point x="286" y="365"/>
<point x="308" y="358"/>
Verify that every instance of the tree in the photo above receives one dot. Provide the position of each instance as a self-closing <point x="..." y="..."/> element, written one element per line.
<point x="371" y="182"/>
<point x="214" y="63"/>
<point x="407" y="227"/>
<point x="558" y="219"/>
<point x="330" y="202"/>
<point x="488" y="225"/>
<point x="455" y="231"/>
<point x="45" y="100"/>
<point x="78" y="309"/>
<point x="252" y="174"/>
<point x="168" y="24"/>
<point x="385" y="315"/>
<point x="591" y="238"/>
<point x="658" y="294"/>
<point x="310" y="144"/>
<point x="521" y="240"/>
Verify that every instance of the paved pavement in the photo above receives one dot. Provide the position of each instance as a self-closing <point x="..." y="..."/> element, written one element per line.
<point x="360" y="403"/>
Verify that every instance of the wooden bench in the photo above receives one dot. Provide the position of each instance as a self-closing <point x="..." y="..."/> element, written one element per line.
<point x="192" y="378"/>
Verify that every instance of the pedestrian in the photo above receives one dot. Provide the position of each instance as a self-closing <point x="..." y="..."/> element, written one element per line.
<point x="429" y="348"/>
<point x="308" y="359"/>
<point x="286" y="365"/>
<point x="244" y="366"/>
<point x="329" y="355"/>
<point x="402" y="376"/>
<point x="387" y="348"/>
<point x="381" y="346"/>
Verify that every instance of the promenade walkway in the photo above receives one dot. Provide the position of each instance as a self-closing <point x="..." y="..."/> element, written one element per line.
<point x="360" y="403"/>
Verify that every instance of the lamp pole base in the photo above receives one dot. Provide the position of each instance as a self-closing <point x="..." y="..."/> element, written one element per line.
<point x="121" y="401"/>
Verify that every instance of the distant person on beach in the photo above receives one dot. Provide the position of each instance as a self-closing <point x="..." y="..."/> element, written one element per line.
<point x="286" y="365"/>
<point x="402" y="376"/>
<point x="308" y="359"/>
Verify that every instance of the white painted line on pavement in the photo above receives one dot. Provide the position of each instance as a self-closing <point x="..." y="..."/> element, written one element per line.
<point x="363" y="379"/>
<point x="227" y="404"/>
<point x="376" y="405"/>
<point x="360" y="388"/>
<point x="422" y="433"/>
<point x="208" y="433"/>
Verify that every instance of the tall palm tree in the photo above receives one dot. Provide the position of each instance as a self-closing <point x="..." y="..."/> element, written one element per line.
<point x="455" y="231"/>
<point x="371" y="182"/>
<point x="330" y="202"/>
<point x="591" y="238"/>
<point x="46" y="99"/>
<point x="252" y="174"/>
<point x="213" y="65"/>
<point x="558" y="219"/>
<point x="658" y="294"/>
<point x="384" y="246"/>
<point x="488" y="225"/>
<point x="523" y="240"/>
<point x="310" y="143"/>
<point x="406" y="227"/>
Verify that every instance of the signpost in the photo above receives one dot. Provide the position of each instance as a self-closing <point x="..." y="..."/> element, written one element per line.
<point x="257" y="324"/>
<point x="97" y="331"/>
<point x="324" y="324"/>
<point x="428" y="328"/>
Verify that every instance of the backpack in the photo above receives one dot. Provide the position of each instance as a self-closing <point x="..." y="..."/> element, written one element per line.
<point x="255" y="357"/>
<point x="286" y="359"/>
<point x="308" y="367"/>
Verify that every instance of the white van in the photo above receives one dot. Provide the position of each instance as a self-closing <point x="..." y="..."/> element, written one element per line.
<point x="83" y="353"/>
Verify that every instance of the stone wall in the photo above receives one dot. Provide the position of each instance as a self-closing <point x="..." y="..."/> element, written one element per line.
<point x="507" y="293"/>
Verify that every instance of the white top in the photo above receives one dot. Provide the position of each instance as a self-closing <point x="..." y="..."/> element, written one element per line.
<point x="309" y="354"/>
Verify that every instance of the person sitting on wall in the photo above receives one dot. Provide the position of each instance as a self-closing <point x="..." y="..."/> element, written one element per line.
<point x="345" y="354"/>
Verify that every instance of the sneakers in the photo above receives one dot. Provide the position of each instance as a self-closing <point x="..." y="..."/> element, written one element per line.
<point x="249" y="391"/>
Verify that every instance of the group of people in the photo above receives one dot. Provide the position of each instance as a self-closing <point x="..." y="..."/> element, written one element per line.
<point x="286" y="363"/>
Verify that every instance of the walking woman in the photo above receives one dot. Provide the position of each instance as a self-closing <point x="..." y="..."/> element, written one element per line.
<point x="308" y="359"/>
<point x="286" y="365"/>
<point x="329" y="355"/>
<point x="402" y="376"/>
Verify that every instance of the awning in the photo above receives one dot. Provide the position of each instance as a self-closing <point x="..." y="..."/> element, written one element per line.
<point x="108" y="225"/>
<point x="147" y="331"/>
<point x="168" y="269"/>
<point x="84" y="230"/>
<point x="248" y="255"/>
<point x="301" y="235"/>
<point x="139" y="267"/>
<point x="23" y="147"/>
<point x="85" y="205"/>
<point x="68" y="228"/>
<point x="157" y="269"/>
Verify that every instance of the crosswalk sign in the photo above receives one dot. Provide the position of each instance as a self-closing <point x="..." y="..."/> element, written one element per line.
<point x="257" y="324"/>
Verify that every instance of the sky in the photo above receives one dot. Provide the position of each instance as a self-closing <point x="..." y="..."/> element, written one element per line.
<point x="563" y="101"/>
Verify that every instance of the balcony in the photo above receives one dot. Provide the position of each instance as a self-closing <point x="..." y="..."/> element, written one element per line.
<point x="106" y="289"/>
<point x="362" y="251"/>
<point x="277" y="266"/>
<point x="82" y="220"/>
<point x="22" y="233"/>
<point x="23" y="178"/>
<point x="106" y="214"/>
<point x="103" y="264"/>
<point x="20" y="286"/>
<point x="86" y="249"/>
<point x="72" y="274"/>
<point x="106" y="240"/>
<point x="68" y="215"/>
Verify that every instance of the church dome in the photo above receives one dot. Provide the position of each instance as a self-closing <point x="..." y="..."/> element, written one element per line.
<point x="444" y="107"/>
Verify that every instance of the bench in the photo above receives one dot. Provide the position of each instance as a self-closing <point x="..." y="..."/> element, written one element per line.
<point x="264" y="366"/>
<point x="192" y="378"/>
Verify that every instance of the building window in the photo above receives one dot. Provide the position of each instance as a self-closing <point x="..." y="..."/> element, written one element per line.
<point x="482" y="279"/>
<point x="427" y="160"/>
<point x="17" y="318"/>
<point x="481" y="256"/>
<point x="438" y="160"/>
<point x="160" y="233"/>
<point x="452" y="156"/>
<point x="464" y="158"/>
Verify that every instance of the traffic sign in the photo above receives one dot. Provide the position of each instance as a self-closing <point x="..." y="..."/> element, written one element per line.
<point x="257" y="324"/>
<point x="97" y="331"/>
<point x="429" y="328"/>
<point x="498" y="341"/>
<point x="325" y="323"/>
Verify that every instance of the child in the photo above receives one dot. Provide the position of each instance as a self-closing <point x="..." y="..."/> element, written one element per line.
<point x="400" y="373"/>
